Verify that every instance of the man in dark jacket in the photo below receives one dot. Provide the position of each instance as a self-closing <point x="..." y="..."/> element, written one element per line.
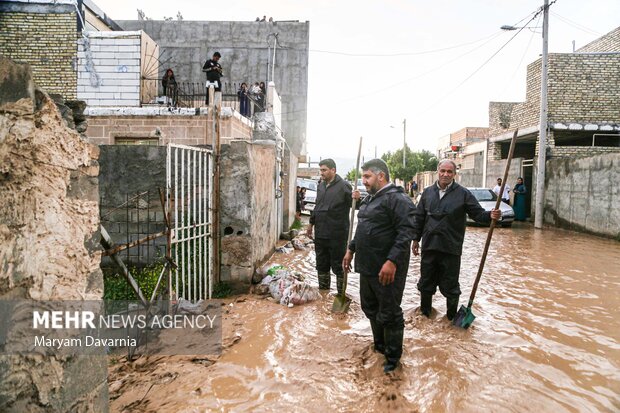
<point x="440" y="224"/>
<point x="382" y="241"/>
<point x="330" y="220"/>
<point x="213" y="69"/>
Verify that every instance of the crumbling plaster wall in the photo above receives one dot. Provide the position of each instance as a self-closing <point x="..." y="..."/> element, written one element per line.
<point x="49" y="218"/>
<point x="248" y="209"/>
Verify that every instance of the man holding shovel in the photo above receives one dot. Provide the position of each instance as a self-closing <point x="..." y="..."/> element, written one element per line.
<point x="440" y="224"/>
<point x="382" y="240"/>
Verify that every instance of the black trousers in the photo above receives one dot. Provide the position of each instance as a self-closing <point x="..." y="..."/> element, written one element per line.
<point x="329" y="254"/>
<point x="439" y="269"/>
<point x="381" y="303"/>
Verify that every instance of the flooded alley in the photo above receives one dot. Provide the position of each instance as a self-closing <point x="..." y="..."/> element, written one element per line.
<point x="546" y="338"/>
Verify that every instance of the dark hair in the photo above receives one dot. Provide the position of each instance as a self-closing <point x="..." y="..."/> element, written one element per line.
<point x="217" y="54"/>
<point x="376" y="166"/>
<point x="329" y="163"/>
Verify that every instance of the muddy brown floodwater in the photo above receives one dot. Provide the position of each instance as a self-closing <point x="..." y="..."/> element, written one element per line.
<point x="546" y="338"/>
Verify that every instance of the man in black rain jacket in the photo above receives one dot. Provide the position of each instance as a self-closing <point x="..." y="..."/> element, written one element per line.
<point x="440" y="224"/>
<point x="330" y="220"/>
<point x="381" y="247"/>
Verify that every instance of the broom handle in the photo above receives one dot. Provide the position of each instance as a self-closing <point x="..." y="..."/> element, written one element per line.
<point x="352" y="215"/>
<point x="493" y="222"/>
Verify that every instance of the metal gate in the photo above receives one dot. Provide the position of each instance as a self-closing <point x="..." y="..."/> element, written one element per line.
<point x="189" y="192"/>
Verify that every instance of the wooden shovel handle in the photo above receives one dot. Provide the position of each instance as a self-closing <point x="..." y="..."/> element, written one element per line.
<point x="493" y="222"/>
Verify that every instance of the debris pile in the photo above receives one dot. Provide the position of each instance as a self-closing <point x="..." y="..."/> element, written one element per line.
<point x="287" y="287"/>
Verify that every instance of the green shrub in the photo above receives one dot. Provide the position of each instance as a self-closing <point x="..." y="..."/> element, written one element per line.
<point x="221" y="290"/>
<point x="116" y="287"/>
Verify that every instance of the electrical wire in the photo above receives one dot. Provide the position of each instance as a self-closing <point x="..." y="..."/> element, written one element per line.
<point x="537" y="14"/>
<point x="402" y="53"/>
<point x="575" y="24"/>
<point x="527" y="48"/>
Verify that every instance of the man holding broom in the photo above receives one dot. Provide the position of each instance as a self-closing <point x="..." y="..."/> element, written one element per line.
<point x="382" y="241"/>
<point x="440" y="224"/>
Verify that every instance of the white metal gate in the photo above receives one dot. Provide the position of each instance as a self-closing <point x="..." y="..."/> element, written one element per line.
<point x="189" y="187"/>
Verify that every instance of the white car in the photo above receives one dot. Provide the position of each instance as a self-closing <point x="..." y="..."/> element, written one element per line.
<point x="487" y="199"/>
<point x="311" y="187"/>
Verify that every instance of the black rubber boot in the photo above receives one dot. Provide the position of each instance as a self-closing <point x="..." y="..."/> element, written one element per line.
<point x="393" y="348"/>
<point x="324" y="281"/>
<point x="426" y="304"/>
<point x="378" y="336"/>
<point x="339" y="283"/>
<point x="453" y="305"/>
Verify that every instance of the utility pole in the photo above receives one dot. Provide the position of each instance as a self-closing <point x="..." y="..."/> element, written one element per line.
<point x="542" y="140"/>
<point x="404" y="142"/>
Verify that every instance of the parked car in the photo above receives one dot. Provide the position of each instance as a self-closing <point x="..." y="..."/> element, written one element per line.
<point x="487" y="199"/>
<point x="363" y="192"/>
<point x="311" y="187"/>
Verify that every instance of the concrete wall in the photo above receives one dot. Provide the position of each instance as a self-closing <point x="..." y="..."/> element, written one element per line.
<point x="188" y="44"/>
<point x="49" y="247"/>
<point x="472" y="177"/>
<point x="111" y="66"/>
<point x="44" y="36"/>
<point x="583" y="194"/>
<point x="289" y="166"/>
<point x="495" y="169"/>
<point x="248" y="209"/>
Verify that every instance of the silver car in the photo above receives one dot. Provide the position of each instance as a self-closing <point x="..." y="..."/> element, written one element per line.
<point x="487" y="199"/>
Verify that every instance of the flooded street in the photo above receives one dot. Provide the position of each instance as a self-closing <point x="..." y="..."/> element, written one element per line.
<point x="546" y="338"/>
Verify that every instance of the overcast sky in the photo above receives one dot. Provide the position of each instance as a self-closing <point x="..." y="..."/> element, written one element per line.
<point x="438" y="92"/>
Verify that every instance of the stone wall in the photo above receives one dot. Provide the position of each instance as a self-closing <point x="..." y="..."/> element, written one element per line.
<point x="49" y="244"/>
<point x="186" y="45"/>
<point x="582" y="194"/>
<point x="248" y="209"/>
<point x="44" y="36"/>
<point x="607" y="43"/>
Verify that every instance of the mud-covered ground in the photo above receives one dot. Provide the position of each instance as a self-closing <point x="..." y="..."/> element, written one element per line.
<point x="547" y="338"/>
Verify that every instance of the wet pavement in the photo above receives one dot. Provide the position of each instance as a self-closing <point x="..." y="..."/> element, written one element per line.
<point x="546" y="338"/>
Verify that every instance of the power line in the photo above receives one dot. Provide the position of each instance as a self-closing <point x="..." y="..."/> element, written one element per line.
<point x="402" y="53"/>
<point x="527" y="48"/>
<point x="539" y="11"/>
<point x="575" y="24"/>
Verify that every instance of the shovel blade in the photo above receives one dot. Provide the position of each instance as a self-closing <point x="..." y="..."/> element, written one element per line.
<point x="464" y="318"/>
<point x="341" y="304"/>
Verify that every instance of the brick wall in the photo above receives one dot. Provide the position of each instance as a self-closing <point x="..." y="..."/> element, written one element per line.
<point x="607" y="43"/>
<point x="109" y="70"/>
<point x="581" y="151"/>
<point x="47" y="42"/>
<point x="468" y="135"/>
<point x="584" y="88"/>
<point x="184" y="130"/>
